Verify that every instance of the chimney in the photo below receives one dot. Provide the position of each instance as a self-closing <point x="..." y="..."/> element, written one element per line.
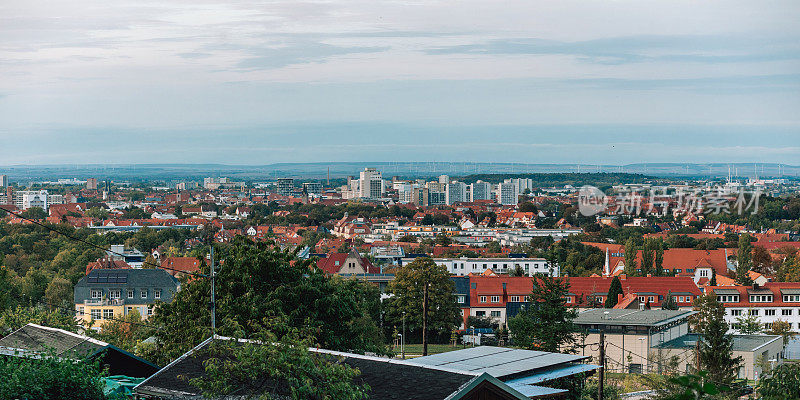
<point x="649" y="275"/>
<point x="622" y="277"/>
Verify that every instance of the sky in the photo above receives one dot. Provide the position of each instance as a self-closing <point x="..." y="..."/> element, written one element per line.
<point x="260" y="82"/>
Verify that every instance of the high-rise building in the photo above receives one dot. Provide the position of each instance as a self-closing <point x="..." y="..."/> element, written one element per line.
<point x="3" y="181"/>
<point x="507" y="194"/>
<point x="313" y="188"/>
<point x="91" y="184"/>
<point x="455" y="192"/>
<point x="370" y="183"/>
<point x="444" y="179"/>
<point x="420" y="196"/>
<point x="285" y="186"/>
<point x="480" y="190"/>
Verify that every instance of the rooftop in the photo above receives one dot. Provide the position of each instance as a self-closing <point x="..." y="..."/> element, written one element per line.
<point x="605" y="316"/>
<point x="740" y="342"/>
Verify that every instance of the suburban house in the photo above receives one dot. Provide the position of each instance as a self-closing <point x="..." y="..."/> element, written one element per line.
<point x="35" y="341"/>
<point x="479" y="373"/>
<point x="346" y="264"/>
<point x="180" y="266"/>
<point x="655" y="341"/>
<point x="350" y="227"/>
<point x="697" y="264"/>
<point x="106" y="294"/>
<point x="649" y="291"/>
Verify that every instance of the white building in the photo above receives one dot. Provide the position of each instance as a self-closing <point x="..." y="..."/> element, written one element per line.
<point x="524" y="236"/>
<point x="480" y="190"/>
<point x="465" y="266"/>
<point x="370" y="183"/>
<point x="455" y="192"/>
<point x="25" y="199"/>
<point x="3" y="181"/>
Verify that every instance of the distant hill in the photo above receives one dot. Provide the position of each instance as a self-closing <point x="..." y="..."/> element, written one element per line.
<point x="319" y="170"/>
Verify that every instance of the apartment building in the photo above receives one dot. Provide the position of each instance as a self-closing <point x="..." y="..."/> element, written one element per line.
<point x="25" y="199"/>
<point x="285" y="186"/>
<point x="455" y="192"/>
<point x="507" y="194"/>
<point x="370" y="183"/>
<point x="769" y="302"/>
<point x="480" y="190"/>
<point x="465" y="266"/>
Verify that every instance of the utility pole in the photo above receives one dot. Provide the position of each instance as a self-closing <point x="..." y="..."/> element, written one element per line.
<point x="601" y="376"/>
<point x="403" y="338"/>
<point x="213" y="299"/>
<point x="425" y="320"/>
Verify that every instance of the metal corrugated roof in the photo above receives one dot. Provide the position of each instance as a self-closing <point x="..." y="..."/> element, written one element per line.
<point x="497" y="361"/>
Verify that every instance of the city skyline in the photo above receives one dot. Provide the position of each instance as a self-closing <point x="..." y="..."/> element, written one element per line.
<point x="550" y="82"/>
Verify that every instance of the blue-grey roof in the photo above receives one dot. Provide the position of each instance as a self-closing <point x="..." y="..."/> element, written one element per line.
<point x="608" y="316"/>
<point x="740" y="342"/>
<point x="125" y="279"/>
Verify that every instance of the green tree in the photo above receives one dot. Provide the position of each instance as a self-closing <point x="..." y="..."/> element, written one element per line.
<point x="658" y="258"/>
<point x="648" y="255"/>
<point x="253" y="367"/>
<point x="517" y="271"/>
<point x="783" y="384"/>
<point x="59" y="293"/>
<point x="423" y="291"/>
<point x="97" y="213"/>
<point x="15" y="318"/>
<point x="126" y="332"/>
<point x="259" y="280"/>
<point x="613" y="293"/>
<point x="784" y="329"/>
<point x="546" y="324"/>
<point x="493" y="247"/>
<point x="749" y="324"/>
<point x="35" y="213"/>
<point x="630" y="257"/>
<point x="744" y="258"/>
<point x="442" y="240"/>
<point x="713" y="281"/>
<point x="150" y="262"/>
<point x="716" y="346"/>
<point x="50" y="378"/>
<point x="669" y="303"/>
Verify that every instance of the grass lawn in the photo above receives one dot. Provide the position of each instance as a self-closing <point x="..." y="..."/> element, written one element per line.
<point x="432" y="348"/>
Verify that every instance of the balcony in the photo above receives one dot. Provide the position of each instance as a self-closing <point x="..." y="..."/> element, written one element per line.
<point x="103" y="302"/>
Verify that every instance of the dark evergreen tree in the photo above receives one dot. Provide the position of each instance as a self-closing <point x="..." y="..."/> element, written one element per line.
<point x="546" y="324"/>
<point x="613" y="291"/>
<point x="716" y="346"/>
<point x="745" y="261"/>
<point x="669" y="303"/>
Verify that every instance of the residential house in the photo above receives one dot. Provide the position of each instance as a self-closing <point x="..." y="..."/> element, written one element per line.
<point x="106" y="294"/>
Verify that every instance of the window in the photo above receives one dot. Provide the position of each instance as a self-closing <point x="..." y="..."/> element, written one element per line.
<point x="114" y="294"/>
<point x="514" y="298"/>
<point x="128" y="309"/>
<point x="480" y="313"/>
<point x="791" y="298"/>
<point x="650" y="299"/>
<point x="736" y="313"/>
<point x="760" y="298"/>
<point x="769" y="312"/>
<point x="95" y="313"/>
<point x="787" y="311"/>
<point x="680" y="299"/>
<point x="525" y="298"/>
<point x="130" y="293"/>
<point x="569" y="299"/>
<point x="149" y="310"/>
<point x="690" y="270"/>
<point x="462" y="299"/>
<point x="482" y="299"/>
<point x="677" y="270"/>
<point x="157" y="293"/>
<point x="496" y="314"/>
<point x="108" y="313"/>
<point x="144" y="293"/>
<point x="704" y="273"/>
<point x="752" y="312"/>
<point x="495" y="299"/>
<point x="641" y="299"/>
<point x="768" y="326"/>
<point x="688" y="299"/>
<point x="96" y="293"/>
<point x="635" y="369"/>
<point x="728" y="298"/>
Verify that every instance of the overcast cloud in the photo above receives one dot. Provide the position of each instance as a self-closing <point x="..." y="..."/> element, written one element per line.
<point x="256" y="82"/>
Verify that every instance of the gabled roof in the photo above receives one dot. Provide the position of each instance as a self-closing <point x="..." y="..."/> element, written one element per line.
<point x="42" y="339"/>
<point x="388" y="379"/>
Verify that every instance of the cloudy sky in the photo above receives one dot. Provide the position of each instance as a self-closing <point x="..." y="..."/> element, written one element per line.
<point x="257" y="82"/>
